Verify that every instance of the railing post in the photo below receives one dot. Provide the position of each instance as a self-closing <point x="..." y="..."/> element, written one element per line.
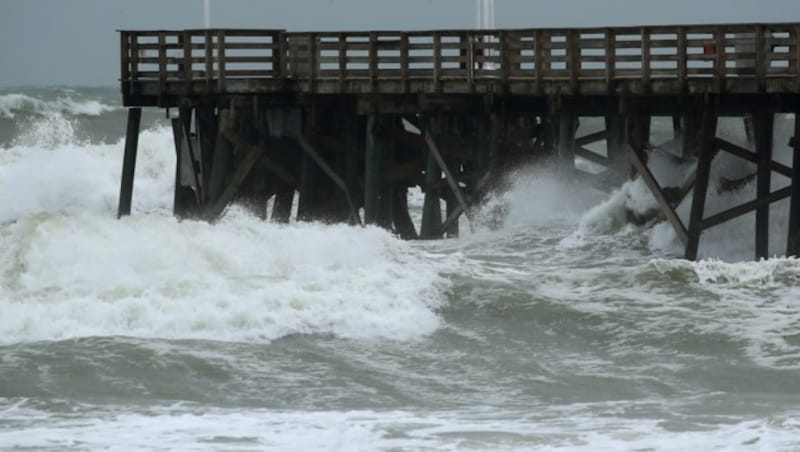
<point x="539" y="53"/>
<point x="124" y="74"/>
<point x="373" y="59"/>
<point x="209" y="55"/>
<point x="283" y="60"/>
<point x="505" y="58"/>
<point x="573" y="56"/>
<point x="797" y="57"/>
<point x="719" y="43"/>
<point x="277" y="56"/>
<point x="134" y="38"/>
<point x="221" y="61"/>
<point x="761" y="60"/>
<point x="342" y="50"/>
<point x="162" y="62"/>
<point x="645" y="33"/>
<point x="611" y="59"/>
<point x="404" y="61"/>
<point x="437" y="59"/>
<point x="682" y="59"/>
<point x="187" y="61"/>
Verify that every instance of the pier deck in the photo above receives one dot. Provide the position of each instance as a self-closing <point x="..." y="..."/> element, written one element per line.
<point x="350" y="120"/>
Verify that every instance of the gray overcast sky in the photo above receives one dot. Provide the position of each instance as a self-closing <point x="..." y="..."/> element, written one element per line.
<point x="73" y="42"/>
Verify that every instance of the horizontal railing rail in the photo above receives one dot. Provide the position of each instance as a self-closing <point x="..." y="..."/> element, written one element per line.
<point x="758" y="52"/>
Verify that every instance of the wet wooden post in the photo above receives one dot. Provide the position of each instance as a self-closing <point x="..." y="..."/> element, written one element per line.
<point x="793" y="239"/>
<point x="706" y="152"/>
<point x="222" y="156"/>
<point x="764" y="126"/>
<point x="566" y="144"/>
<point x="689" y="133"/>
<point x="615" y="146"/>
<point x="129" y="161"/>
<point x="372" y="171"/>
<point x="431" y="227"/>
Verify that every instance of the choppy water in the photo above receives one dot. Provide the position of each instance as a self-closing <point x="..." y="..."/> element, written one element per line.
<point x="561" y="328"/>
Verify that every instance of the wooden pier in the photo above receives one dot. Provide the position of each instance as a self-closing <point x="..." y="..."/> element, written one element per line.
<point x="349" y="121"/>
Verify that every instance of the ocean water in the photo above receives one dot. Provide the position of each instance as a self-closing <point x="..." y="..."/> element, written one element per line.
<point x="555" y="325"/>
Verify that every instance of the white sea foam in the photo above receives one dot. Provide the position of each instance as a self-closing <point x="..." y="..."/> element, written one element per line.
<point x="14" y="103"/>
<point x="70" y="269"/>
<point x="247" y="429"/>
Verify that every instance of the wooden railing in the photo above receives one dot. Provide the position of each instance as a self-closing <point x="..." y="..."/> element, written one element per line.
<point x="682" y="54"/>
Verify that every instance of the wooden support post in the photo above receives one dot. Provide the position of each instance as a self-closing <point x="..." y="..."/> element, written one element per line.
<point x="372" y="171"/>
<point x="706" y="152"/>
<point x="186" y="181"/>
<point x="402" y="218"/>
<point x="451" y="180"/>
<point x="431" y="227"/>
<point x="764" y="126"/>
<point x="615" y="146"/>
<point x="282" y="207"/>
<point x="793" y="239"/>
<point x="326" y="168"/>
<point x="129" y="162"/>
<point x="222" y="157"/>
<point x="305" y="202"/>
<point x="663" y="203"/>
<point x="690" y="130"/>
<point x="566" y="144"/>
<point x="251" y="157"/>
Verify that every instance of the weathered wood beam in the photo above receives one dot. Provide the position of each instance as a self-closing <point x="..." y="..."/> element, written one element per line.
<point x="746" y="208"/>
<point x="591" y="138"/>
<point x="590" y="155"/>
<point x="750" y="156"/>
<point x="658" y="193"/>
<point x="129" y="162"/>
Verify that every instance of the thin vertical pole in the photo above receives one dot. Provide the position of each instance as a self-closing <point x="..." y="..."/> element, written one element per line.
<point x="129" y="162"/>
<point x="793" y="240"/>
<point x="708" y="131"/>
